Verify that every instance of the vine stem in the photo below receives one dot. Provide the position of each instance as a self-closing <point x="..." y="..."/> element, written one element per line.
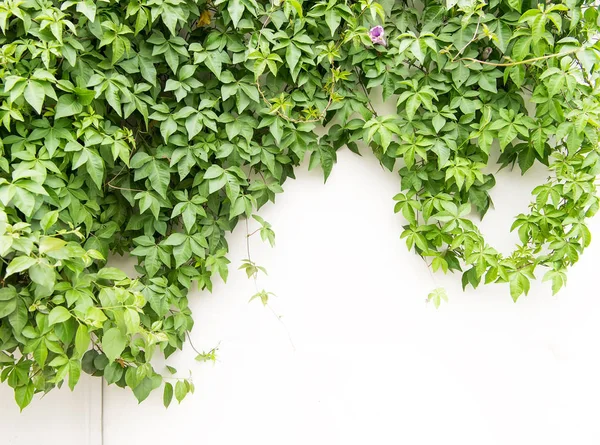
<point x="248" y="235"/>
<point x="522" y="62"/>
<point x="470" y="41"/>
<point x="366" y="93"/>
<point x="191" y="343"/>
<point x="109" y="183"/>
<point x="257" y="230"/>
<point x="254" y="276"/>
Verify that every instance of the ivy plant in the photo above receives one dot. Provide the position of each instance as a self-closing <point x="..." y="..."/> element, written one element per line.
<point x="151" y="128"/>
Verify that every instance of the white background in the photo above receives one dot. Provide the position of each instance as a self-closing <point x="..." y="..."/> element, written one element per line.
<point x="59" y="418"/>
<point x="359" y="357"/>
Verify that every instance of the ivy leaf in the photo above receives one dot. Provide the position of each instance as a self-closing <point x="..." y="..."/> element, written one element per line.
<point x="82" y="340"/>
<point x="214" y="63"/>
<point x="442" y="151"/>
<point x="333" y="20"/>
<point x="151" y="262"/>
<point x="160" y="177"/>
<point x="67" y="106"/>
<point x="236" y="10"/>
<point x="515" y="4"/>
<point x="111" y="273"/>
<point x="24" y="395"/>
<point x="34" y="95"/>
<point x="558" y="278"/>
<point x="87" y="8"/>
<point x="460" y="74"/>
<point x="143" y="389"/>
<point x="113" y="373"/>
<point x="292" y="56"/>
<point x="113" y="343"/>
<point x="437" y="295"/>
<point x="147" y="69"/>
<point x="19" y="264"/>
<point x="168" y="394"/>
<point x="19" y="317"/>
<point x="181" y="390"/>
<point x="8" y="307"/>
<point x="74" y="373"/>
<point x="95" y="167"/>
<point x="168" y="128"/>
<point x="297" y="7"/>
<point x="519" y="284"/>
<point x="438" y="122"/>
<point x="503" y="35"/>
<point x="58" y="315"/>
<point x="526" y="158"/>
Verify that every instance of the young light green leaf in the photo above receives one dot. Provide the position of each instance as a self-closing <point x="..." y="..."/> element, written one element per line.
<point x="113" y="343"/>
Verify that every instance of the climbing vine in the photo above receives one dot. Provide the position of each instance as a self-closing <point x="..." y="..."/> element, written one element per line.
<point x="151" y="128"/>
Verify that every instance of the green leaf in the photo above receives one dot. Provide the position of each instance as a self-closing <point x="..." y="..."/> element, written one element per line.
<point x="24" y="395"/>
<point x="50" y="244"/>
<point x="113" y="373"/>
<point x="48" y="220"/>
<point x="82" y="340"/>
<point x="214" y="63"/>
<point x="19" y="317"/>
<point x="292" y="56"/>
<point x="167" y="394"/>
<point x="34" y="95"/>
<point x="437" y="295"/>
<point x="40" y="354"/>
<point x="181" y="390"/>
<point x="58" y="315"/>
<point x="42" y="274"/>
<point x="442" y="151"/>
<point x="168" y="128"/>
<point x="74" y="373"/>
<point x="333" y="20"/>
<point x="7" y="293"/>
<point x="460" y="74"/>
<point x="112" y="273"/>
<point x="515" y="4"/>
<point x="519" y="284"/>
<point x="236" y="10"/>
<point x="95" y="168"/>
<point x="113" y="343"/>
<point x="67" y="106"/>
<point x="503" y="35"/>
<point x="143" y="389"/>
<point x="19" y="264"/>
<point x="87" y="8"/>
<point x="160" y="177"/>
<point x="412" y="105"/>
<point x="7" y="307"/>
<point x="87" y="361"/>
<point x="297" y="7"/>
<point x="438" y="122"/>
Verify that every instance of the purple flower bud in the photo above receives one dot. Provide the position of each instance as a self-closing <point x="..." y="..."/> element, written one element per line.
<point x="376" y="34"/>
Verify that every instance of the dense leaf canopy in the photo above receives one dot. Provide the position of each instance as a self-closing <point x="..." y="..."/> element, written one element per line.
<point x="152" y="127"/>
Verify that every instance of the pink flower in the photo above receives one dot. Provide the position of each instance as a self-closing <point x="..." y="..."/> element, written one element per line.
<point x="376" y="34"/>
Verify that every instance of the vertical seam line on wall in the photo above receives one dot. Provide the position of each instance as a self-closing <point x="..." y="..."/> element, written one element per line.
<point x="101" y="411"/>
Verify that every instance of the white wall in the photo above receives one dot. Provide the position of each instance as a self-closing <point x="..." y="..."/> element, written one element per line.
<point x="372" y="363"/>
<point x="61" y="417"/>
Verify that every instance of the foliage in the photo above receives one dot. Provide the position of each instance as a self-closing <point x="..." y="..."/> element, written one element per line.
<point x="437" y="295"/>
<point x="152" y="127"/>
